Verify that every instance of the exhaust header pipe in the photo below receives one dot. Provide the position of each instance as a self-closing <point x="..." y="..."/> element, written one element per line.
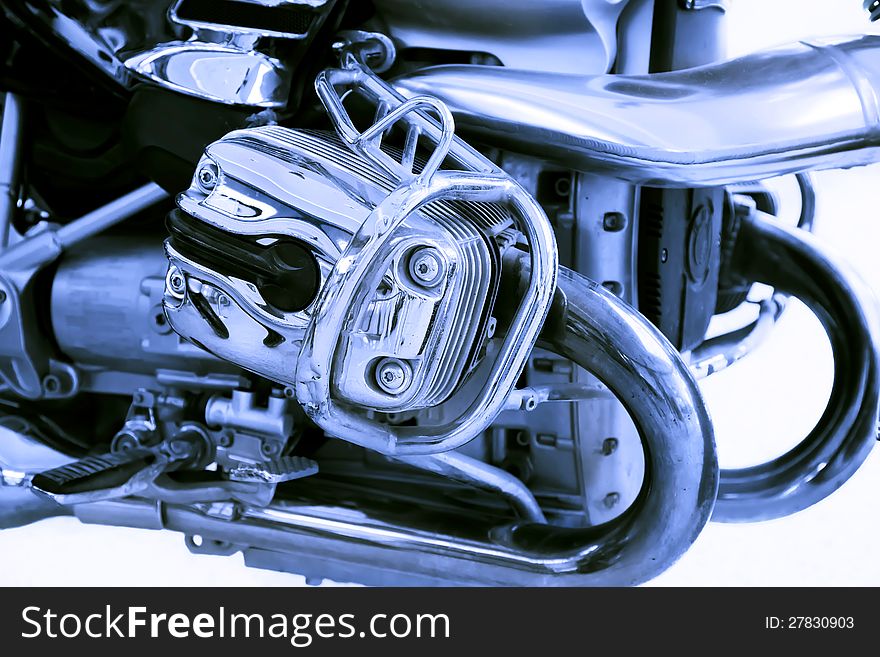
<point x="807" y="106"/>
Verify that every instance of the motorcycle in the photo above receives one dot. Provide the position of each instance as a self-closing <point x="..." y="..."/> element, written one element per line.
<point x="408" y="293"/>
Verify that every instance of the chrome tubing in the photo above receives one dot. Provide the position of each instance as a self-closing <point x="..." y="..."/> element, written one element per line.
<point x="806" y="106"/>
<point x="382" y="542"/>
<point x="791" y="260"/>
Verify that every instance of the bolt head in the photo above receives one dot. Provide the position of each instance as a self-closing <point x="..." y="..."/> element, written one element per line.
<point x="393" y="375"/>
<point x="207" y="177"/>
<point x="427" y="266"/>
<point x="176" y="281"/>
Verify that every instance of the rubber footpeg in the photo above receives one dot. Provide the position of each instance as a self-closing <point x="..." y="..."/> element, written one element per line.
<point x="92" y="474"/>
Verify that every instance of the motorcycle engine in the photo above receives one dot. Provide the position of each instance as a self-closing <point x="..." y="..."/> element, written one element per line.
<point x="269" y="213"/>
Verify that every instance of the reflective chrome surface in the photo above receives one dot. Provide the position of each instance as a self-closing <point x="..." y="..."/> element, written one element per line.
<point x="793" y="262"/>
<point x="364" y="227"/>
<point x="191" y="47"/>
<point x="794" y="108"/>
<point x="97" y="30"/>
<point x="328" y="194"/>
<point x="467" y="470"/>
<point x="366" y="256"/>
<point x="220" y="72"/>
<point x="233" y="54"/>
<point x="380" y="542"/>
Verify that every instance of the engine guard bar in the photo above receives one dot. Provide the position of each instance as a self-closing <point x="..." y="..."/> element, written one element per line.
<point x="365" y="258"/>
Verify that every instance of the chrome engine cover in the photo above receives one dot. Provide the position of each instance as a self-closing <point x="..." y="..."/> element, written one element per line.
<point x="268" y="185"/>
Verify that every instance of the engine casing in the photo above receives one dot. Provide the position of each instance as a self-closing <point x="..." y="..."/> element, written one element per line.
<point x="270" y="212"/>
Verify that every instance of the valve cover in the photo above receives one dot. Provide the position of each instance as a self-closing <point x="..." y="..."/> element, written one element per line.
<point x="270" y="212"/>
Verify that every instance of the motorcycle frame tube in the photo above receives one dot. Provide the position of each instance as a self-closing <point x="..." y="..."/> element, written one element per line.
<point x="599" y="332"/>
<point x="793" y="262"/>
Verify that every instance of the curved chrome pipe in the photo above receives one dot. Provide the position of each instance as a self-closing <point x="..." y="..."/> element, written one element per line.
<point x="602" y="334"/>
<point x="793" y="262"/>
<point x="810" y="105"/>
<point x="382" y="541"/>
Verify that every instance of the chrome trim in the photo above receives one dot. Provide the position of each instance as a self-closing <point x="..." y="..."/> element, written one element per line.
<point x="220" y="72"/>
<point x="805" y="106"/>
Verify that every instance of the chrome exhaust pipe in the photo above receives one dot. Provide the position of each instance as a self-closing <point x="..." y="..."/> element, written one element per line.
<point x="793" y="262"/>
<point x="315" y="532"/>
<point x="806" y="106"/>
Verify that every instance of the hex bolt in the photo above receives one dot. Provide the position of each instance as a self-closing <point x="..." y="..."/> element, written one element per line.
<point x="427" y="266"/>
<point x="176" y="281"/>
<point x="393" y="375"/>
<point x="207" y="177"/>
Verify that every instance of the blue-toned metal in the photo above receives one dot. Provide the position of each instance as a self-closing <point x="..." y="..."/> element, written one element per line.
<point x="792" y="261"/>
<point x="383" y="542"/>
<point x="817" y="103"/>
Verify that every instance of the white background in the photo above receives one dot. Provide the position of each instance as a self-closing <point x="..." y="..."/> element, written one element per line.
<point x="760" y="408"/>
